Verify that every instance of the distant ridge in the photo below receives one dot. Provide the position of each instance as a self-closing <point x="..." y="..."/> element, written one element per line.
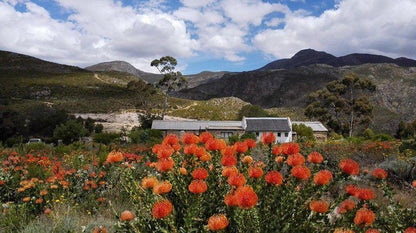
<point x="311" y="57"/>
<point x="15" y="63"/>
<point x="122" y="66"/>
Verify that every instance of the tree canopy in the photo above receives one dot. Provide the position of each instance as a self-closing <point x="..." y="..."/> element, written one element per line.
<point x="343" y="104"/>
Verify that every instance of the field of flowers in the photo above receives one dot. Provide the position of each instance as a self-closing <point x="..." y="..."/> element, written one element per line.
<point x="202" y="184"/>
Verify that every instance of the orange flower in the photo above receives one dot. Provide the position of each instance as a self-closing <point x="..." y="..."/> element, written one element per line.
<point x="322" y="177"/>
<point x="247" y="159"/>
<point x="229" y="171"/>
<point x="114" y="157"/>
<point x="274" y="178"/>
<point x="268" y="138"/>
<point x="197" y="186"/>
<point x="200" y="151"/>
<point x="100" y="229"/>
<point x="200" y="174"/>
<point x="162" y="209"/>
<point x="171" y="139"/>
<point x="414" y="184"/>
<point x="230" y="199"/>
<point x="379" y="173"/>
<point x="370" y="230"/>
<point x="237" y="179"/>
<point x="364" y="216"/>
<point x="190" y="138"/>
<point x="352" y="189"/>
<point x="241" y="147"/>
<point x="205" y="136"/>
<point x="217" y="222"/>
<point x="206" y="157"/>
<point x="149" y="182"/>
<point x="165" y="152"/>
<point x="315" y="157"/>
<point x="250" y="143"/>
<point x="346" y="206"/>
<point x="228" y="160"/>
<point x="277" y="150"/>
<point x="39" y="200"/>
<point x="365" y="194"/>
<point x="164" y="165"/>
<point x="156" y="148"/>
<point x="162" y="187"/>
<point x="215" y="144"/>
<point x="190" y="149"/>
<point x="229" y="150"/>
<point x="2" y="182"/>
<point x="126" y="216"/>
<point x="246" y="197"/>
<point x="301" y="172"/>
<point x="183" y="171"/>
<point x="319" y="206"/>
<point x="47" y="211"/>
<point x="290" y="148"/>
<point x="255" y="172"/>
<point x="349" y="167"/>
<point x="410" y="230"/>
<point x="26" y="199"/>
<point x="295" y="160"/>
<point x="279" y="159"/>
<point x="43" y="192"/>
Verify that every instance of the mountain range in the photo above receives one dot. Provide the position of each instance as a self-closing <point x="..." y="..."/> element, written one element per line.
<point x="285" y="83"/>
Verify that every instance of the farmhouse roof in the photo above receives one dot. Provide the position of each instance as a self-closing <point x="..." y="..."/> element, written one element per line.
<point x="315" y="125"/>
<point x="196" y="125"/>
<point x="263" y="124"/>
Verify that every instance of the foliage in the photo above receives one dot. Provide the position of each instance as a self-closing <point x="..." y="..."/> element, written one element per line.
<point x="106" y="138"/>
<point x="146" y="136"/>
<point x="69" y="131"/>
<point x="146" y="119"/>
<point x="342" y="105"/>
<point x="406" y="130"/>
<point x="252" y="111"/>
<point x="304" y="133"/>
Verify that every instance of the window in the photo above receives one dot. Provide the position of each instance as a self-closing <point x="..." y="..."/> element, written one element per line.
<point x="226" y="134"/>
<point x="286" y="134"/>
<point x="279" y="135"/>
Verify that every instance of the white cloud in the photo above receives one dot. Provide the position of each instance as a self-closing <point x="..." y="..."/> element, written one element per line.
<point x="376" y="26"/>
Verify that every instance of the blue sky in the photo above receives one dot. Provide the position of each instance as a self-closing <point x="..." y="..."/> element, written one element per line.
<point x="216" y="35"/>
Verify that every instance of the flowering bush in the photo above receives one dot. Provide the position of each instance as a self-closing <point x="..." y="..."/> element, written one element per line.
<point x="219" y="187"/>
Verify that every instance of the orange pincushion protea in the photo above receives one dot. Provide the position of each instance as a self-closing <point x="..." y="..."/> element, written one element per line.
<point x="162" y="209"/>
<point x="410" y="230"/>
<point x="217" y="222"/>
<point x="230" y="199"/>
<point x="295" y="160"/>
<point x="197" y="187"/>
<point x="276" y="150"/>
<point x="380" y="173"/>
<point x="250" y="143"/>
<point x="200" y="174"/>
<point x="228" y="160"/>
<point x="322" y="177"/>
<point x="268" y="138"/>
<point x="315" y="157"/>
<point x="290" y="148"/>
<point x="319" y="206"/>
<point x="370" y="230"/>
<point x="246" y="197"/>
<point x="365" y="194"/>
<point x="114" y="157"/>
<point x="164" y="165"/>
<point x="190" y="149"/>
<point x="171" y="139"/>
<point x="165" y="151"/>
<point x="346" y="206"/>
<point x="162" y="187"/>
<point x="241" y="147"/>
<point x="349" y="167"/>
<point x="215" y="144"/>
<point x="149" y="182"/>
<point x="274" y="178"/>
<point x="183" y="171"/>
<point x="229" y="171"/>
<point x="126" y="216"/>
<point x="343" y="230"/>
<point x="190" y="138"/>
<point x="301" y="172"/>
<point x="205" y="136"/>
<point x="414" y="184"/>
<point x="237" y="179"/>
<point x="364" y="216"/>
<point x="255" y="172"/>
<point x="352" y="189"/>
<point x="247" y="159"/>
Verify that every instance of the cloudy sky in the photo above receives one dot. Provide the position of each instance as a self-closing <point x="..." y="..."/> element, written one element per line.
<point x="232" y="35"/>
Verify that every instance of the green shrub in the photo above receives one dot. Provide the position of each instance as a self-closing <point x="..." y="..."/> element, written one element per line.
<point x="148" y="136"/>
<point x="368" y="134"/>
<point x="106" y="138"/>
<point x="70" y="131"/>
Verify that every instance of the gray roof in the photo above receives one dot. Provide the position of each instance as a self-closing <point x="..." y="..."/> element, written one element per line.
<point x="266" y="124"/>
<point x="196" y="125"/>
<point x="315" y="125"/>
